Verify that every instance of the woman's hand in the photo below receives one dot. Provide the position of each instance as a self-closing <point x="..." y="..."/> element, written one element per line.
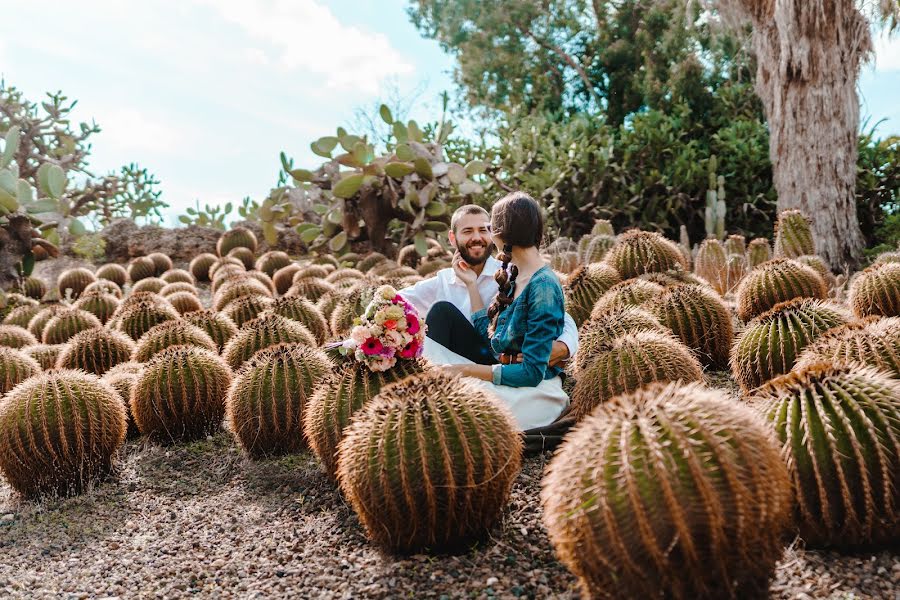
<point x="463" y="271"/>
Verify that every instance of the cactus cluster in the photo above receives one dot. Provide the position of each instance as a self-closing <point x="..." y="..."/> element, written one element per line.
<point x="99" y="304"/>
<point x="310" y="288"/>
<point x="269" y="395"/>
<point x="139" y="317"/>
<point x="585" y="286"/>
<point x="839" y="426"/>
<point x="671" y="491"/>
<point x="474" y="452"/>
<point x="246" y="308"/>
<point x="59" y="432"/>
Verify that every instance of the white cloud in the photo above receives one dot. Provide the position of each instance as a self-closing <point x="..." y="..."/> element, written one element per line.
<point x="129" y="131"/>
<point x="887" y="53"/>
<point x="304" y="34"/>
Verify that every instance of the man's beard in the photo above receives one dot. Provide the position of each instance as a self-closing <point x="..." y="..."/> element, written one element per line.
<point x="471" y="260"/>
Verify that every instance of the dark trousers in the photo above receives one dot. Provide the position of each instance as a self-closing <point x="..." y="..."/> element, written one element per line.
<point x="451" y="329"/>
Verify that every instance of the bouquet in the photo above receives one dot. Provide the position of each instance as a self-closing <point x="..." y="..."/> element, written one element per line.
<point x="388" y="329"/>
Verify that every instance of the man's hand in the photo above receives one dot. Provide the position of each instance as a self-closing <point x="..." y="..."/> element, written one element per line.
<point x="463" y="271"/>
<point x="559" y="353"/>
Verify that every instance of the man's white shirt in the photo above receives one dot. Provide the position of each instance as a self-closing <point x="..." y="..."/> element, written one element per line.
<point x="446" y="286"/>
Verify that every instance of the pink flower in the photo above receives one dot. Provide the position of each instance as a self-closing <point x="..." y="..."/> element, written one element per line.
<point x="372" y="346"/>
<point x="412" y="324"/>
<point x="411" y="350"/>
<point x="390" y="324"/>
<point x="398" y="299"/>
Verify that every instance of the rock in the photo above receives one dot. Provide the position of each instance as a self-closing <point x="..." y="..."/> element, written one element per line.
<point x="125" y="240"/>
<point x="492" y="581"/>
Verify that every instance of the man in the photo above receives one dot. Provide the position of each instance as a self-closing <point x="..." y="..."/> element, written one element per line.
<point x="470" y="235"/>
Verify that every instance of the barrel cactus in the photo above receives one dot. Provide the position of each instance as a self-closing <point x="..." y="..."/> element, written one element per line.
<point x="320" y="272"/>
<point x="216" y="325"/>
<point x="161" y="262"/>
<point x="876" y="291"/>
<point x="149" y="284"/>
<point x="261" y="333"/>
<point x="32" y="287"/>
<point x="758" y="252"/>
<point x="840" y="430"/>
<point x="672" y="491"/>
<point x="113" y="272"/>
<point x="178" y="286"/>
<point x="264" y="279"/>
<point x="597" y="248"/>
<point x="370" y="260"/>
<point x="66" y="323"/>
<point x="628" y="362"/>
<point x="598" y="332"/>
<point x="271" y="261"/>
<point x="698" y="317"/>
<point x="736" y="244"/>
<point x="177" y="276"/>
<point x="283" y="278"/>
<point x="72" y="282"/>
<point x="772" y="343"/>
<point x="245" y="255"/>
<point x="303" y="311"/>
<point x="123" y="382"/>
<point x="13" y="336"/>
<point x="44" y="354"/>
<point x="429" y="463"/>
<point x="141" y="268"/>
<point x="234" y="238"/>
<point x="710" y="264"/>
<point x="873" y="341"/>
<point x="585" y="286"/>
<point x="884" y="257"/>
<point x="15" y="367"/>
<point x="349" y="306"/>
<point x="21" y="315"/>
<point x="817" y="264"/>
<point x="39" y="321"/>
<point x="776" y="281"/>
<point x="104" y="286"/>
<point x="185" y="302"/>
<point x="168" y="334"/>
<point x="639" y="252"/>
<point x="246" y="308"/>
<point x="59" y="432"/>
<point x="137" y="319"/>
<point x="225" y="264"/>
<point x="98" y="304"/>
<point x="200" y="264"/>
<point x="233" y="290"/>
<point x="345" y="274"/>
<point x="180" y="394"/>
<point x="95" y="351"/>
<point x="339" y="398"/>
<point x="269" y="396"/>
<point x="793" y="235"/>
<point x="631" y="292"/>
<point x="313" y="289"/>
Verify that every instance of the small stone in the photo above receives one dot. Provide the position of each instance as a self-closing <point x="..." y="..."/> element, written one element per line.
<point x="7" y="518"/>
<point x="492" y="581"/>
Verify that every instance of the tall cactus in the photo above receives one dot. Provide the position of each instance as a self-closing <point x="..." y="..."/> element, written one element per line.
<point x="776" y="281"/>
<point x="840" y="430"/>
<point x="430" y="463"/>
<point x="671" y="491"/>
<point x="180" y="394"/>
<point x="772" y="343"/>
<point x="269" y="396"/>
<point x="638" y="252"/>
<point x="335" y="403"/>
<point x="629" y="362"/>
<point x="585" y="286"/>
<point x="876" y="291"/>
<point x="793" y="235"/>
<point x="59" y="432"/>
<point x="95" y="351"/>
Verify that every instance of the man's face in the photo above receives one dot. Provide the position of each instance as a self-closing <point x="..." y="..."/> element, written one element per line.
<point x="473" y="239"/>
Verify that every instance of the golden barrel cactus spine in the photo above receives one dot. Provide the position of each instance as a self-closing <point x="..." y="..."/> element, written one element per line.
<point x="200" y="264"/>
<point x="758" y="252"/>
<point x="15" y="367"/>
<point x="113" y="272"/>
<point x="874" y="341"/>
<point x="261" y="333"/>
<point x="168" y="334"/>
<point x="216" y="325"/>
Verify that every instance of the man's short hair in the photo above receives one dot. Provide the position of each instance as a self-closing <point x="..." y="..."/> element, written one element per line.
<point x="467" y="209"/>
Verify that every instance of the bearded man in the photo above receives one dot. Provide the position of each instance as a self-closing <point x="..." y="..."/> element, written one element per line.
<point x="435" y="297"/>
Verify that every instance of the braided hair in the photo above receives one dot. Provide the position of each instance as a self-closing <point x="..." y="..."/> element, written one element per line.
<point x="517" y="217"/>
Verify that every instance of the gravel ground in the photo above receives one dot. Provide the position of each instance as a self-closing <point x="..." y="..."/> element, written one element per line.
<point x="201" y="520"/>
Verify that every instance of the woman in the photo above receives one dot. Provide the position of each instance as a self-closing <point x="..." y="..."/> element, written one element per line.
<point x="525" y="317"/>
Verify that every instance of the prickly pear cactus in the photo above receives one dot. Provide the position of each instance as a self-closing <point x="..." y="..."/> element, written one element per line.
<point x="638" y="252"/>
<point x="429" y="463"/>
<point x="59" y="432"/>
<point x="776" y="281"/>
<point x="793" y="235"/>
<point x="839" y="426"/>
<point x="585" y="286"/>
<point x="670" y="491"/>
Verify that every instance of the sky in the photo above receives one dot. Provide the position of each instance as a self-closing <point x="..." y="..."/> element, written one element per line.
<point x="206" y="93"/>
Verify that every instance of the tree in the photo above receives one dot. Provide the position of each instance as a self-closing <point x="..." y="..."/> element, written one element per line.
<point x="808" y="56"/>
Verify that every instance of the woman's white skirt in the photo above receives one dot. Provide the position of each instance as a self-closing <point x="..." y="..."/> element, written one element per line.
<point x="531" y="406"/>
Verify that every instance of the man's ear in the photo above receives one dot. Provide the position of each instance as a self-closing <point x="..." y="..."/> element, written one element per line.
<point x="452" y="238"/>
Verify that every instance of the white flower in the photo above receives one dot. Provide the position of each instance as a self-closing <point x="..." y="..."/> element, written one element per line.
<point x="360" y="334"/>
<point x="350" y="344"/>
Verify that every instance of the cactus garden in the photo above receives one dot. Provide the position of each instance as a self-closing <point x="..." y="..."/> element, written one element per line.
<point x="241" y="398"/>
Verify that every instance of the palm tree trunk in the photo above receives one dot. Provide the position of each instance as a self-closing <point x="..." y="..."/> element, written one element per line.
<point x="808" y="58"/>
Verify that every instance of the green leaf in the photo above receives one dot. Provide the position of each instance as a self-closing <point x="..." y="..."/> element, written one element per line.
<point x="8" y="182"/>
<point x="285" y="164"/>
<point x="309" y="235"/>
<point x="400" y="132"/>
<point x="12" y="144"/>
<point x="348" y="186"/>
<point x="43" y="205"/>
<point x="398" y="170"/>
<point x="42" y="175"/>
<point x="270" y="233"/>
<point x="415" y="133"/>
<point x="456" y="173"/>
<point x="348" y="141"/>
<point x="185" y="219"/>
<point x="386" y="115"/>
<point x="76" y="228"/>
<point x="335" y="216"/>
<point x="302" y="174"/>
<point x="320" y="209"/>
<point x="336" y="243"/>
<point x="404" y="152"/>
<point x="324" y="146"/>
<point x="435" y="209"/>
<point x="436" y="226"/>
<point x="423" y="168"/>
<point x="27" y="264"/>
<point x="421" y="244"/>
<point x="363" y="152"/>
<point x="56" y="181"/>
<point x="475" y="167"/>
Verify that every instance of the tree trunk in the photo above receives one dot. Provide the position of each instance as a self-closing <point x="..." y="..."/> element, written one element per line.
<point x="808" y="56"/>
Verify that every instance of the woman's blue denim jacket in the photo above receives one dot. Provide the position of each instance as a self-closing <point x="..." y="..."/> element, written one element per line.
<point x="529" y="325"/>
